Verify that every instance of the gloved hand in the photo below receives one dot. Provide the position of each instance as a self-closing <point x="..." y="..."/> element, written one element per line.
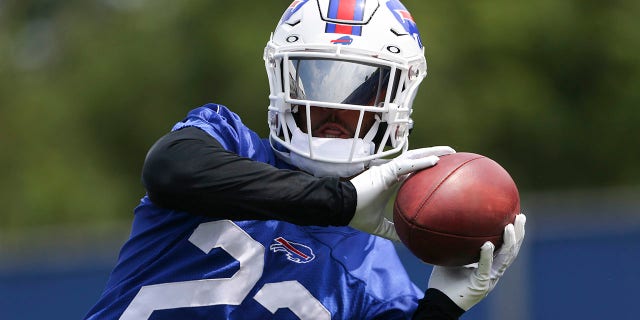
<point x="468" y="285"/>
<point x="376" y="185"/>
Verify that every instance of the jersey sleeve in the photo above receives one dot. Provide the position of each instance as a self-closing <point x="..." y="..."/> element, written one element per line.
<point x="189" y="170"/>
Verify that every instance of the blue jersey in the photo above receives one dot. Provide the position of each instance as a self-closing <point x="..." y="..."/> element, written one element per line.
<point x="177" y="265"/>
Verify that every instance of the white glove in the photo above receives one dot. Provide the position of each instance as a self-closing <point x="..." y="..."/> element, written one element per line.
<point x="376" y="185"/>
<point x="468" y="285"/>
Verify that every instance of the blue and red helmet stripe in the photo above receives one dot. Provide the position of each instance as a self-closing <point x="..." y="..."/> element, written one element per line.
<point x="352" y="10"/>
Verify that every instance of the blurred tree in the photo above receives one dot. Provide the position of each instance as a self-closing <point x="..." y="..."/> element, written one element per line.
<point x="545" y="88"/>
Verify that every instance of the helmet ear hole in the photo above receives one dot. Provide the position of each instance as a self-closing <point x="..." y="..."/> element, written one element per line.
<point x="393" y="49"/>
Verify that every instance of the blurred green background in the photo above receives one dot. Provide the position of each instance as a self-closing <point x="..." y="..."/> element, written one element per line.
<point x="546" y="88"/>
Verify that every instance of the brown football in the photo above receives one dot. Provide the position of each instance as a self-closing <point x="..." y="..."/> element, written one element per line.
<point x="445" y="213"/>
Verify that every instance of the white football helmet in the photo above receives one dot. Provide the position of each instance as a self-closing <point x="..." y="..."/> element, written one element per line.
<point x="363" y="55"/>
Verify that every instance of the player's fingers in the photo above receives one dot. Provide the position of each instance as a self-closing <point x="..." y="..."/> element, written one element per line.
<point x="519" y="232"/>
<point x="405" y="165"/>
<point x="431" y="151"/>
<point x="486" y="260"/>
<point x="417" y="159"/>
<point x="507" y="252"/>
<point x="519" y="224"/>
<point x="509" y="237"/>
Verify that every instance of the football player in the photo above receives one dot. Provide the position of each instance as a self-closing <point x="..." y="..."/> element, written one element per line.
<point x="234" y="226"/>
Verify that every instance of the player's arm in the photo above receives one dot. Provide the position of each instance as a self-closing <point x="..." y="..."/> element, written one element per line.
<point x="188" y="170"/>
<point x="437" y="306"/>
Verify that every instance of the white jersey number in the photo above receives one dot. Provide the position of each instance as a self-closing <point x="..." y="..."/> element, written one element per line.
<point x="249" y="253"/>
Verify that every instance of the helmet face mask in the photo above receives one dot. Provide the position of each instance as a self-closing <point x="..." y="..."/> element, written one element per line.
<point x="375" y="70"/>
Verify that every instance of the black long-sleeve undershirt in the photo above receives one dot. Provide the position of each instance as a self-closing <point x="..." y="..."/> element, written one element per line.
<point x="189" y="170"/>
<point x="437" y="306"/>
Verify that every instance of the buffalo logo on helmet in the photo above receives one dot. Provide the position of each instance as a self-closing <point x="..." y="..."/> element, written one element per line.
<point x="345" y="41"/>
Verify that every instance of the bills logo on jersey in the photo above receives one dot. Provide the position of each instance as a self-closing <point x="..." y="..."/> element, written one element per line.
<point x="406" y="20"/>
<point x="293" y="8"/>
<point x="296" y="252"/>
<point x="346" y="40"/>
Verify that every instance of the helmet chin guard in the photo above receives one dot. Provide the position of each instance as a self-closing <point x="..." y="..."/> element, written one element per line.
<point x="328" y="54"/>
